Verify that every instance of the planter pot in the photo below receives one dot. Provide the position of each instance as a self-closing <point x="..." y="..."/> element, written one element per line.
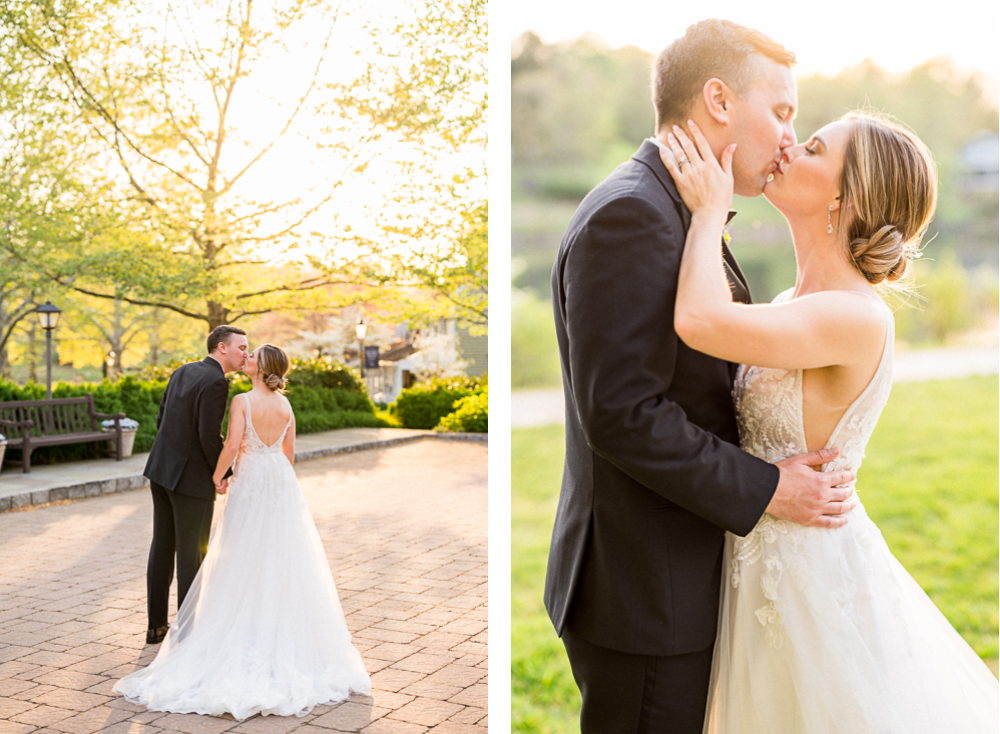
<point x="128" y="441"/>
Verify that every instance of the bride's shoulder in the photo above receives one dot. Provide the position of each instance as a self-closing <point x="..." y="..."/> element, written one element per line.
<point x="864" y="315"/>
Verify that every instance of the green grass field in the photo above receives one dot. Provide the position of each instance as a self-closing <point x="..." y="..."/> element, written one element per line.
<point x="929" y="480"/>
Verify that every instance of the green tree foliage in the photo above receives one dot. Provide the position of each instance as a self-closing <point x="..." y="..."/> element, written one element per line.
<point x="429" y="86"/>
<point x="577" y="110"/>
<point x="131" y="158"/>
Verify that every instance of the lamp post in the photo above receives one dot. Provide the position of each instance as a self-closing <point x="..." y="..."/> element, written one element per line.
<point x="48" y="317"/>
<point x="361" y="329"/>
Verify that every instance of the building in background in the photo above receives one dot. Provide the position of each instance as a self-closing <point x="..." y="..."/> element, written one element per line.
<point x="442" y="350"/>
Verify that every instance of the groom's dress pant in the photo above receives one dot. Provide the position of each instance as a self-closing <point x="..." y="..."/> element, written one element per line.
<point x="639" y="694"/>
<point x="181" y="525"/>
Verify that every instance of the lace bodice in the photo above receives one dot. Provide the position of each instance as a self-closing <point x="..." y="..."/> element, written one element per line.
<point x="769" y="411"/>
<point x="251" y="443"/>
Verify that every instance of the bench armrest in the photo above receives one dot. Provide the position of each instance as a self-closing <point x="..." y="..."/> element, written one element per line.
<point x="18" y="424"/>
<point x="109" y="415"/>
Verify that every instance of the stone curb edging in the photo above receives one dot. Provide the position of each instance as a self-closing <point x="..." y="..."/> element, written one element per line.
<point x="138" y="481"/>
<point x="72" y="492"/>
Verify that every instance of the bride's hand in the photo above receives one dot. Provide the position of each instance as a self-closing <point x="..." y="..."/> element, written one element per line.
<point x="705" y="184"/>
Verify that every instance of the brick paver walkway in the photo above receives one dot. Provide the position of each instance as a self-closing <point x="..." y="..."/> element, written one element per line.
<point x="405" y="531"/>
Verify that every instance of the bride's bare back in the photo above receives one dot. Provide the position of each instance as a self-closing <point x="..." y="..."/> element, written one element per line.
<point x="269" y="412"/>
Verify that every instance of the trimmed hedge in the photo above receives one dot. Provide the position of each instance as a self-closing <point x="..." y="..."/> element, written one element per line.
<point x="138" y="400"/>
<point x="324" y="395"/>
<point x="425" y="404"/>
<point x="471" y="415"/>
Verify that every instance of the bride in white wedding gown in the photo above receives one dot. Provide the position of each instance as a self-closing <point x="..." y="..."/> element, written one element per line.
<point x="261" y="630"/>
<point x="822" y="631"/>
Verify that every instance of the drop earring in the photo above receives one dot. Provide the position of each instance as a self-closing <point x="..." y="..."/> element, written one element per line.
<point x="829" y="221"/>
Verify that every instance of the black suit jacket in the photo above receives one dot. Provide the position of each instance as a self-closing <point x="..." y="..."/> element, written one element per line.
<point x="188" y="439"/>
<point x="653" y="471"/>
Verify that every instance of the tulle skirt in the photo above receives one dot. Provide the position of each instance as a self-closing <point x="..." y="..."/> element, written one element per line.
<point x="261" y="629"/>
<point x="823" y="631"/>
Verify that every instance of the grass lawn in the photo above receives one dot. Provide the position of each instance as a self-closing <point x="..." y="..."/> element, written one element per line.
<point x="929" y="480"/>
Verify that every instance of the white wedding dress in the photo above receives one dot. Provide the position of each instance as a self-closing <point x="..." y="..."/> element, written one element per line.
<point x="822" y="631"/>
<point x="261" y="629"/>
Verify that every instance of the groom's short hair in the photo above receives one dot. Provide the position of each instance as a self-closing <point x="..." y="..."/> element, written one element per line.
<point x="718" y="49"/>
<point x="222" y="335"/>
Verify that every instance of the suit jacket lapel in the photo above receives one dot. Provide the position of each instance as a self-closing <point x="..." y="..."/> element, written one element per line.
<point x="737" y="281"/>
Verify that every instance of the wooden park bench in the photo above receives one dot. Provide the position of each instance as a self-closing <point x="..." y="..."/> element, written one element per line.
<point x="31" y="424"/>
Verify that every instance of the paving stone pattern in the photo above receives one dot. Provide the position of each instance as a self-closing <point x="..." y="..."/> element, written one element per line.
<point x="405" y="530"/>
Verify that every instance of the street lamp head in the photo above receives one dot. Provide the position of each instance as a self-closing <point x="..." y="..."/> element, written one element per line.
<point x="361" y="329"/>
<point x="48" y="316"/>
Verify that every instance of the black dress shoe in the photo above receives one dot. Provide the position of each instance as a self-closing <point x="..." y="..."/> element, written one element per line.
<point x="154" y="637"/>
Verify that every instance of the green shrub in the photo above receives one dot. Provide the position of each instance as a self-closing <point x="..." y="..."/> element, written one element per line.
<point x="324" y="395"/>
<point x="325" y="373"/>
<point x="471" y="415"/>
<point x="424" y="405"/>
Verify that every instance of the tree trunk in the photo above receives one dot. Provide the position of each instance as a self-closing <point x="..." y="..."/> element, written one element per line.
<point x="32" y="343"/>
<point x="218" y="315"/>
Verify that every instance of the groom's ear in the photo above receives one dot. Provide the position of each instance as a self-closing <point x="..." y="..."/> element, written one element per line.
<point x="717" y="98"/>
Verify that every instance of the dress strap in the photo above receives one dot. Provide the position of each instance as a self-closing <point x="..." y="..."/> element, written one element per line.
<point x="248" y="418"/>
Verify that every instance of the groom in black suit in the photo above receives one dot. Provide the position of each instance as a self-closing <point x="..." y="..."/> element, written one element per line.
<point x="653" y="472"/>
<point x="180" y="468"/>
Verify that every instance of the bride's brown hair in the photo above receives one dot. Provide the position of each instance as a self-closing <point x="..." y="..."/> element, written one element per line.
<point x="272" y="363"/>
<point x="888" y="193"/>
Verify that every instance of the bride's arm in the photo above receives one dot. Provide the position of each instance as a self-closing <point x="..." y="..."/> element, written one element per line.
<point x="817" y="330"/>
<point x="288" y="445"/>
<point x="237" y="422"/>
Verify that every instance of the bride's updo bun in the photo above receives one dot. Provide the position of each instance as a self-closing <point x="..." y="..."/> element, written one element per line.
<point x="881" y="257"/>
<point x="272" y="364"/>
<point x="889" y="184"/>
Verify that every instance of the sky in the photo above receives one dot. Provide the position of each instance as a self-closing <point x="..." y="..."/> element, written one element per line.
<point x="825" y="37"/>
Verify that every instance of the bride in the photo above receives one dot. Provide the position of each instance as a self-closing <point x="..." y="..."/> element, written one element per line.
<point x="261" y="631"/>
<point x="821" y="630"/>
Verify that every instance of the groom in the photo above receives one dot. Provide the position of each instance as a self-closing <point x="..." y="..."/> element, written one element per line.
<point x="180" y="468"/>
<point x="653" y="472"/>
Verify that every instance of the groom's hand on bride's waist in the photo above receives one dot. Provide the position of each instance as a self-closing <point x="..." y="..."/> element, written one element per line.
<point x="809" y="497"/>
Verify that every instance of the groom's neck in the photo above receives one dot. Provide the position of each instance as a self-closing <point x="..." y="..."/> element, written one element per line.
<point x="706" y="130"/>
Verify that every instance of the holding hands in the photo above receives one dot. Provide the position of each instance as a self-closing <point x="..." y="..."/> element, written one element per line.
<point x="705" y="184"/>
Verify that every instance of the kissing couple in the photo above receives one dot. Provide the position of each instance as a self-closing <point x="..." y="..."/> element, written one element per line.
<point x="711" y="567"/>
<point x="259" y="626"/>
